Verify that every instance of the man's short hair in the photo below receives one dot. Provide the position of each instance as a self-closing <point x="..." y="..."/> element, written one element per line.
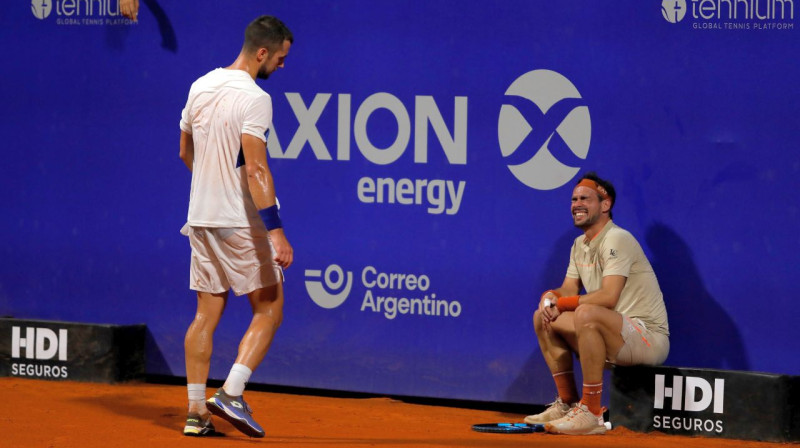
<point x="266" y="32"/>
<point x="609" y="188"/>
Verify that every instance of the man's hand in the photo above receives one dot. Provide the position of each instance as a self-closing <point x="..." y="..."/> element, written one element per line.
<point x="547" y="307"/>
<point x="284" y="255"/>
<point x="129" y="8"/>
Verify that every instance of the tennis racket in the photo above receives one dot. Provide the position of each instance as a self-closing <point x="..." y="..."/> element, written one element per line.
<point x="508" y="428"/>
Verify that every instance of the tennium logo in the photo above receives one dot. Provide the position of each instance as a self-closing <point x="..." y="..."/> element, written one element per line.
<point x="78" y="12"/>
<point x="560" y="118"/>
<point x="731" y="14"/>
<point x="673" y="10"/>
<point x="41" y="8"/>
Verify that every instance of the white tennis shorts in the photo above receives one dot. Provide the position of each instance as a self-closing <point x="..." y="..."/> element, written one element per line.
<point x="642" y="346"/>
<point x="241" y="259"/>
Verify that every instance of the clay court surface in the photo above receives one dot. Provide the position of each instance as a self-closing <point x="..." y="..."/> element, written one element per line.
<point x="39" y="413"/>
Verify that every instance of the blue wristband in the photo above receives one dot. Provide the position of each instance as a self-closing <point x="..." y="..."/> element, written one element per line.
<point x="270" y="217"/>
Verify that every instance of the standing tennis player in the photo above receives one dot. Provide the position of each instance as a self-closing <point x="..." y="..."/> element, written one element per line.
<point x="621" y="318"/>
<point x="235" y="232"/>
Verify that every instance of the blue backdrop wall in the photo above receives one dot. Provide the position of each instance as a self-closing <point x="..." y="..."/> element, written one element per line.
<point x="437" y="141"/>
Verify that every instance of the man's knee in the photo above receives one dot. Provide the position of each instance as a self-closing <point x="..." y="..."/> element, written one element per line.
<point x="204" y="320"/>
<point x="277" y="317"/>
<point x="587" y="315"/>
<point x="270" y="311"/>
<point x="269" y="297"/>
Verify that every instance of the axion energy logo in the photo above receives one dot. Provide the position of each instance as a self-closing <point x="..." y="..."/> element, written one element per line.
<point x="731" y="15"/>
<point x="544" y="130"/>
<point x="31" y="346"/>
<point x="390" y="294"/>
<point x="407" y="137"/>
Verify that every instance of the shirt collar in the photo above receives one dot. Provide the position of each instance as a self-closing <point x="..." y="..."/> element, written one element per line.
<point x="594" y="242"/>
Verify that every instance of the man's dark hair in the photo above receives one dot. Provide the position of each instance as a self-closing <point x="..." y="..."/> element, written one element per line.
<point x="612" y="194"/>
<point x="266" y="32"/>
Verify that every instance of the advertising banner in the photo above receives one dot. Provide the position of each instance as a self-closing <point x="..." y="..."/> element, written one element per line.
<point x="706" y="402"/>
<point x="53" y="350"/>
<point x="424" y="157"/>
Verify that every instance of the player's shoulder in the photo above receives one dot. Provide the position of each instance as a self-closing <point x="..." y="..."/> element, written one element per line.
<point x="616" y="231"/>
<point x="207" y="82"/>
<point x="617" y="235"/>
<point x="208" y="77"/>
<point x="221" y="78"/>
<point x="249" y="87"/>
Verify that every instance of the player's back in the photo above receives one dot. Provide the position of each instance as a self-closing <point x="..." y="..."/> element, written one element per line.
<point x="222" y="105"/>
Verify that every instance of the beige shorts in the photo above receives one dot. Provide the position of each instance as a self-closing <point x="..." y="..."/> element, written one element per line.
<point x="642" y="346"/>
<point x="241" y="259"/>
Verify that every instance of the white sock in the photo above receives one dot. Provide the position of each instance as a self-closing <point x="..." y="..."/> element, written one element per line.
<point x="237" y="379"/>
<point x="197" y="397"/>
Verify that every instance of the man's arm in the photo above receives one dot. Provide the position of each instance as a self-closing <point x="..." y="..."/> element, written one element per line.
<point x="187" y="150"/>
<point x="262" y="189"/>
<point x="608" y="294"/>
<point x="570" y="287"/>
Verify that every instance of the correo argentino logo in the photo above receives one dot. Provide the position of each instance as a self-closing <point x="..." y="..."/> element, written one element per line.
<point x="673" y="10"/>
<point x="41" y="8"/>
<point x="557" y="130"/>
<point x="335" y="289"/>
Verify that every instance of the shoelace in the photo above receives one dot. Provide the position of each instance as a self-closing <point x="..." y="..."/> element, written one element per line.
<point x="555" y="402"/>
<point x="573" y="412"/>
<point x="578" y="409"/>
<point x="245" y="406"/>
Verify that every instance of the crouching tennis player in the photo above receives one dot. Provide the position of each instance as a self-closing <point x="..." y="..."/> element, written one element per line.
<point x="621" y="317"/>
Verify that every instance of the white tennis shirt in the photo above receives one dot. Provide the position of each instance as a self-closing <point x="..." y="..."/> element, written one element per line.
<point x="222" y="106"/>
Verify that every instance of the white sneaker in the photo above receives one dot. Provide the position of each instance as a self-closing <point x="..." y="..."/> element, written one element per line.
<point x="555" y="411"/>
<point x="578" y="421"/>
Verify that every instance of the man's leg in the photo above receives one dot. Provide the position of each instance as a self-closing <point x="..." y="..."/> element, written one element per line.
<point x="557" y="345"/>
<point x="198" y="345"/>
<point x="599" y="338"/>
<point x="228" y="403"/>
<point x="267" y="304"/>
<point x="199" y="337"/>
